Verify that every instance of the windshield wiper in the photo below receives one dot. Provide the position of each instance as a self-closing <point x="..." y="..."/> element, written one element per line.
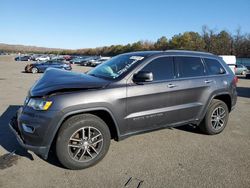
<point x="93" y="75"/>
<point x="100" y="76"/>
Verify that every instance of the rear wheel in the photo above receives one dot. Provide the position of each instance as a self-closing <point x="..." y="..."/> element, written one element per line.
<point x="82" y="141"/>
<point x="216" y="118"/>
<point x="34" y="70"/>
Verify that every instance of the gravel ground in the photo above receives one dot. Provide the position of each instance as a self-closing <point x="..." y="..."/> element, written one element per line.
<point x="181" y="157"/>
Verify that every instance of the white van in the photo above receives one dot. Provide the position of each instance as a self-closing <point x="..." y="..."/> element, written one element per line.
<point x="230" y="60"/>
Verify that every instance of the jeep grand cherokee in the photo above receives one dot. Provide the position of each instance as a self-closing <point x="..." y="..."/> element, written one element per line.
<point x="130" y="94"/>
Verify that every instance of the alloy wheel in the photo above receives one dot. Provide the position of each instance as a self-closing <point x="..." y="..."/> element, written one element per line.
<point x="85" y="144"/>
<point x="218" y="118"/>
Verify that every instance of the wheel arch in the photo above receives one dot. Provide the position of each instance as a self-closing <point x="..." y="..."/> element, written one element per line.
<point x="224" y="96"/>
<point x="103" y="113"/>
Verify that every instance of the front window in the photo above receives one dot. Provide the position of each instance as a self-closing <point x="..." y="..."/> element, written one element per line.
<point x="162" y="68"/>
<point x="116" y="67"/>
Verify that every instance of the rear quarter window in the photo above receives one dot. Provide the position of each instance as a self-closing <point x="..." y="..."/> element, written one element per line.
<point x="214" y="67"/>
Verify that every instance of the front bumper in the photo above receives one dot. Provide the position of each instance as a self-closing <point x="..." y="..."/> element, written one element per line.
<point x="40" y="140"/>
<point x="40" y="150"/>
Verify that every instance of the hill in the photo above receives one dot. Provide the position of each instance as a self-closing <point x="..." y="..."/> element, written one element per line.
<point x="24" y="48"/>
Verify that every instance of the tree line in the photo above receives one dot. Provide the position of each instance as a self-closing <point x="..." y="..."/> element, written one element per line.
<point x="220" y="43"/>
<point x="208" y="40"/>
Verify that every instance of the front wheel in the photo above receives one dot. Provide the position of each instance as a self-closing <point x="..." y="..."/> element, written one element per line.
<point x="83" y="140"/>
<point x="216" y="118"/>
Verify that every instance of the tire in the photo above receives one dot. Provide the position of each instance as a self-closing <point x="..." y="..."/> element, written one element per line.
<point x="215" y="119"/>
<point x="76" y="152"/>
<point x="34" y="70"/>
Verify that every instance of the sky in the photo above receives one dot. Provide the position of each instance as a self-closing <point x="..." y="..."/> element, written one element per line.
<point x="94" y="23"/>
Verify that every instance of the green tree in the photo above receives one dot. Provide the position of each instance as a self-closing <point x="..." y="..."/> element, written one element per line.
<point x="223" y="43"/>
<point x="161" y="44"/>
<point x="187" y="41"/>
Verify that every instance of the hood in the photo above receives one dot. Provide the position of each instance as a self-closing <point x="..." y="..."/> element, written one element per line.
<point x="56" y="80"/>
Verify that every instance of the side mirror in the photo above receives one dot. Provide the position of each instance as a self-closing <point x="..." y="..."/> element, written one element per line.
<point x="143" y="76"/>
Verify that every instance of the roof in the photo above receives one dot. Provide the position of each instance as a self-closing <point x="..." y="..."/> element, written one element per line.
<point x="144" y="53"/>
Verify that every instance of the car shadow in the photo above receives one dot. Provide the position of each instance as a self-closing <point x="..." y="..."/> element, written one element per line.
<point x="243" y="92"/>
<point x="7" y="139"/>
<point x="52" y="158"/>
<point x="189" y="128"/>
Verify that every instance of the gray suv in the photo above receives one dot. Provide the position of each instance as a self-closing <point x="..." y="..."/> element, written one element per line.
<point x="131" y="93"/>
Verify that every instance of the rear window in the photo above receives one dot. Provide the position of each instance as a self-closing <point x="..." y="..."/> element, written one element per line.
<point x="214" y="67"/>
<point x="189" y="67"/>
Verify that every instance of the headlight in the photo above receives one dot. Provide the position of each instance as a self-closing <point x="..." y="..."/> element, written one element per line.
<point x="26" y="101"/>
<point x="39" y="104"/>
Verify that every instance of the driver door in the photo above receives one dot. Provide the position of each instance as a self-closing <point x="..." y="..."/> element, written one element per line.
<point x="149" y="103"/>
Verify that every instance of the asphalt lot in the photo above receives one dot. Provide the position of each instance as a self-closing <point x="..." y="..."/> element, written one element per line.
<point x="180" y="157"/>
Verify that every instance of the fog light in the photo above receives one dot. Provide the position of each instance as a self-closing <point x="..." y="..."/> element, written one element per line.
<point x="27" y="128"/>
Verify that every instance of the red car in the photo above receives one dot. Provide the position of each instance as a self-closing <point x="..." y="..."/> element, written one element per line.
<point x="67" y="57"/>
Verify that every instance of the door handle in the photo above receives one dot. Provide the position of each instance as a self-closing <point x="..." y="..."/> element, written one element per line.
<point x="171" y="85"/>
<point x="208" y="81"/>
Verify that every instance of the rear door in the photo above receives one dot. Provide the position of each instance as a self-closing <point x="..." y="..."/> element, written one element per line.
<point x="193" y="88"/>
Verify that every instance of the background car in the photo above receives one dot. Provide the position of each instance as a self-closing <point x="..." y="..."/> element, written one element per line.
<point x="34" y="56"/>
<point x="87" y="61"/>
<point x="241" y="70"/>
<point x="22" y="58"/>
<point x="3" y="53"/>
<point x="42" y="66"/>
<point x="67" y="57"/>
<point x="43" y="58"/>
<point x="94" y="63"/>
<point x="57" y="58"/>
<point x="78" y="60"/>
<point x="230" y="60"/>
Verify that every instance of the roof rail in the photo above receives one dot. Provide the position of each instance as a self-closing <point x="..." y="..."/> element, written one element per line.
<point x="190" y="51"/>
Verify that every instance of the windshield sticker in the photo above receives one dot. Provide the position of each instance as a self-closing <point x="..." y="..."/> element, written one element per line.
<point x="137" y="58"/>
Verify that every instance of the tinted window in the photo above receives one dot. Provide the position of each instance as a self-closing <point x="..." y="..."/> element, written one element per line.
<point x="162" y="68"/>
<point x="189" y="67"/>
<point x="214" y="67"/>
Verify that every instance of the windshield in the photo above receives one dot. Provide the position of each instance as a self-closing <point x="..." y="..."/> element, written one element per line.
<point x="116" y="66"/>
